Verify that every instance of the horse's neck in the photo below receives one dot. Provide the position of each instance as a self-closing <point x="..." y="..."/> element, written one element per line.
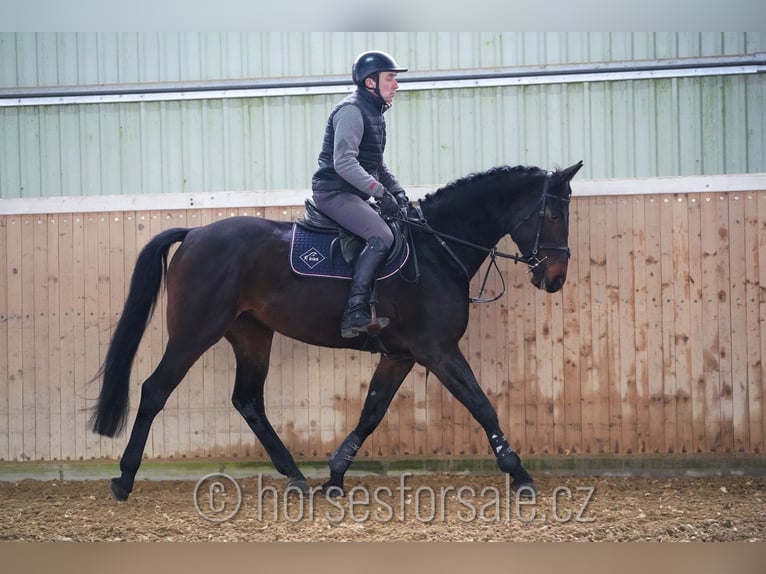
<point x="476" y="216"/>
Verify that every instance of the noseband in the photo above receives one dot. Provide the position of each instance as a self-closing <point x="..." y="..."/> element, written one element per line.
<point x="530" y="259"/>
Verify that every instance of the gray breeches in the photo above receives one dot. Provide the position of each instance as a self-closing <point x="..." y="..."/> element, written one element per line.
<point x="355" y="214"/>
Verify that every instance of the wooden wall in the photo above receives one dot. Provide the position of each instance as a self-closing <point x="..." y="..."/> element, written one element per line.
<point x="655" y="344"/>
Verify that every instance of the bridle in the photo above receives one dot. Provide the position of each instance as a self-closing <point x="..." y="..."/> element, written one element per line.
<point x="531" y="259"/>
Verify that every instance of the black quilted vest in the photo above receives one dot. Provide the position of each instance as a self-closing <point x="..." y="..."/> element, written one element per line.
<point x="370" y="148"/>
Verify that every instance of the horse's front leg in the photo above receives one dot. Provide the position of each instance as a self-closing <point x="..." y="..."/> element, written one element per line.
<point x="456" y="375"/>
<point x="387" y="379"/>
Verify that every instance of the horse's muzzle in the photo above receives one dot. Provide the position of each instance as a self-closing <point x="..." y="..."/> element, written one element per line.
<point x="550" y="278"/>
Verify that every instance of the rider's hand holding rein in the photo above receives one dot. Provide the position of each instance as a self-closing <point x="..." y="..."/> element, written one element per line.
<point x="389" y="207"/>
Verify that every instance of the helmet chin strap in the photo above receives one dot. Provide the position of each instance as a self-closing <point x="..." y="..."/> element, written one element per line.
<point x="376" y="90"/>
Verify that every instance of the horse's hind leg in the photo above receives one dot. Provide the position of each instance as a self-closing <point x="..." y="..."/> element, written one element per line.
<point x="252" y="346"/>
<point x="178" y="358"/>
<point x="385" y="382"/>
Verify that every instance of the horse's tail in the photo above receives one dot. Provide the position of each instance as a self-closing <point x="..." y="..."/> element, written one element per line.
<point x="111" y="411"/>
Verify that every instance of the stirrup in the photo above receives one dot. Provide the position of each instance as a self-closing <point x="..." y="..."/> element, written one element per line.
<point x="372" y="328"/>
<point x="365" y="323"/>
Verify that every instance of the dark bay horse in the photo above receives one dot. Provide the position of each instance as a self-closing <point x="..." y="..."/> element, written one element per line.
<point x="232" y="279"/>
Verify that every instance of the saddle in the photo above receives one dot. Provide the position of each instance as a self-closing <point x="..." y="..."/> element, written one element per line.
<point x="322" y="248"/>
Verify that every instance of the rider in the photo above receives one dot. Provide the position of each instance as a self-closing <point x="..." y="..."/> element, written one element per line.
<point x="351" y="171"/>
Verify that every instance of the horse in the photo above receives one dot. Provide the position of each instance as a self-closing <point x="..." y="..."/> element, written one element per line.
<point x="231" y="279"/>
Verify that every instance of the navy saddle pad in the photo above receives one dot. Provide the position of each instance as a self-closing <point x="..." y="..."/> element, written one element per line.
<point x="317" y="254"/>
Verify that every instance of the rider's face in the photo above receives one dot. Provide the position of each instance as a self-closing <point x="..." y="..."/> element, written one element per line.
<point x="387" y="84"/>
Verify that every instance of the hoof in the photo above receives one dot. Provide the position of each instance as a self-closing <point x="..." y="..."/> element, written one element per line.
<point x="332" y="490"/>
<point x="299" y="484"/>
<point x="118" y="492"/>
<point x="525" y="490"/>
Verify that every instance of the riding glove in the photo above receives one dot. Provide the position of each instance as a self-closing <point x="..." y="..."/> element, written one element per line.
<point x="402" y="199"/>
<point x="388" y="205"/>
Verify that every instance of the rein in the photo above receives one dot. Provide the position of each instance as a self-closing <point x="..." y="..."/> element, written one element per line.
<point x="531" y="260"/>
<point x="493" y="253"/>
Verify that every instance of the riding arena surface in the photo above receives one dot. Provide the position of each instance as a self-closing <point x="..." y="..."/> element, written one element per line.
<point x="425" y="507"/>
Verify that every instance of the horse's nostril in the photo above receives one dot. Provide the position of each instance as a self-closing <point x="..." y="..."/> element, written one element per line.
<point x="555" y="283"/>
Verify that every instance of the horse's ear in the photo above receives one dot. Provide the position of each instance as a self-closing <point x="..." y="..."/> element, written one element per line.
<point x="568" y="173"/>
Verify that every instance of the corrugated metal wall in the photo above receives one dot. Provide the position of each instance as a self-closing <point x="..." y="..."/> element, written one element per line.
<point x="682" y="126"/>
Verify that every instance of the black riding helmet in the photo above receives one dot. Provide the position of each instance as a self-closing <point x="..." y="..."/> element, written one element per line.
<point x="369" y="63"/>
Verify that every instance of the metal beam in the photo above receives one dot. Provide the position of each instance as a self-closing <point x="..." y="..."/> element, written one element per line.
<point x="452" y="79"/>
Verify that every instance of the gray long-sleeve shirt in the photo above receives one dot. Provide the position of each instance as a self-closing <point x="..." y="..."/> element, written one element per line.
<point x="349" y="128"/>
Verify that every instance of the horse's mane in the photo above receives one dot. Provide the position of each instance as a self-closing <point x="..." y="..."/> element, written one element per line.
<point x="477" y="177"/>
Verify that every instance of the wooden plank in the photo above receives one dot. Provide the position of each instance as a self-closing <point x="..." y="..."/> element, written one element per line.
<point x="517" y="428"/>
<point x="41" y="326"/>
<point x="752" y="287"/>
<point x="723" y="268"/>
<point x="668" y="326"/>
<point x="612" y="298"/>
<point x="655" y="373"/>
<point x="55" y="376"/>
<point x="760" y="397"/>
<point x="582" y="258"/>
<point x="681" y="323"/>
<point x="15" y="290"/>
<point x="67" y="333"/>
<point x="82" y="373"/>
<point x="571" y="345"/>
<point x="28" y="342"/>
<point x="600" y="338"/>
<point x="739" y="332"/>
<point x="544" y="373"/>
<point x="530" y="378"/>
<point x="696" y="326"/>
<point x="5" y="374"/>
<point x="640" y="324"/>
<point x="710" y="246"/>
<point x="627" y="322"/>
<point x="558" y="398"/>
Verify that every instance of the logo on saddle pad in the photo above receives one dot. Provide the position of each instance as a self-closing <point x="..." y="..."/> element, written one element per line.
<point x="312" y="257"/>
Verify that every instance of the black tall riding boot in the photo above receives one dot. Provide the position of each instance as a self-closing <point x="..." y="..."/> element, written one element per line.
<point x="356" y="317"/>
